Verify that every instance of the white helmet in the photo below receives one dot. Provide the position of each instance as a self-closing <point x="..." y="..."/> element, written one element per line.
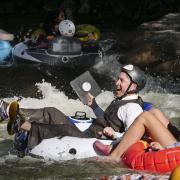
<point x="67" y="28"/>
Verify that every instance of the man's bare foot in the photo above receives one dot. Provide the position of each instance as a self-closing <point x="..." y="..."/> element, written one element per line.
<point x="102" y="148"/>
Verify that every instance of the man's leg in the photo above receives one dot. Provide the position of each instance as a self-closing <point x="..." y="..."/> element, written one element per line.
<point x="47" y="115"/>
<point x="39" y="131"/>
<point x="145" y="122"/>
<point x="160" y="116"/>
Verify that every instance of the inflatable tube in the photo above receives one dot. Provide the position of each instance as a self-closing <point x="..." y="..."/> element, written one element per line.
<point x="175" y="175"/>
<point x="156" y="161"/>
<point x="57" y="148"/>
<point x="66" y="148"/>
<point x="69" y="54"/>
<point x="5" y="50"/>
<point x="83" y="30"/>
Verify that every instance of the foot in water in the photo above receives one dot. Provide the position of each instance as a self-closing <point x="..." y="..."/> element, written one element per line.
<point x="13" y="124"/>
<point x="102" y="148"/>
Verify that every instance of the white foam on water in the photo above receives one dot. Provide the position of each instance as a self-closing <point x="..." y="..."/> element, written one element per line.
<point x="52" y="97"/>
<point x="168" y="103"/>
<point x="109" y="66"/>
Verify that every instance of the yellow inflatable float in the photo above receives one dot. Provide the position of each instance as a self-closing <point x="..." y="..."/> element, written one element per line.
<point x="85" y="31"/>
<point x="175" y="175"/>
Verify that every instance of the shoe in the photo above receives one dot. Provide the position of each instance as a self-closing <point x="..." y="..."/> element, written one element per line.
<point x="14" y="119"/>
<point x="3" y="110"/>
<point x="102" y="148"/>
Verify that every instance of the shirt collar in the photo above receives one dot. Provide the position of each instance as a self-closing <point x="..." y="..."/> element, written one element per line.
<point x="134" y="96"/>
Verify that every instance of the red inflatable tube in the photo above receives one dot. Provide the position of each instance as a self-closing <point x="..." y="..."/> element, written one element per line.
<point x="156" y="161"/>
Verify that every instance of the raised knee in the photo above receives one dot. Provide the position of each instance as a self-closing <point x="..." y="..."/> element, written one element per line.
<point x="145" y="116"/>
<point x="154" y="110"/>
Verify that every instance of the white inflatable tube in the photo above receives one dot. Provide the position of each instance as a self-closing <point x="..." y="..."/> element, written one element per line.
<point x="66" y="148"/>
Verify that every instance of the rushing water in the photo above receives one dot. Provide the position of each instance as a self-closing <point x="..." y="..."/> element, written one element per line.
<point x="49" y="86"/>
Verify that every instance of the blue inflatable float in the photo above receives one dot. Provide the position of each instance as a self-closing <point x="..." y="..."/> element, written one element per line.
<point x="5" y="50"/>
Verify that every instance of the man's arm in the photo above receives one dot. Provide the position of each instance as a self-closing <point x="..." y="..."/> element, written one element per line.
<point x="92" y="103"/>
<point x="109" y="132"/>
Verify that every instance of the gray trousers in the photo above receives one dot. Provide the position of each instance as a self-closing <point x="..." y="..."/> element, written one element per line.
<point x="49" y="122"/>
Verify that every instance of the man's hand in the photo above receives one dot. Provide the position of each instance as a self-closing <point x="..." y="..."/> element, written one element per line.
<point x="109" y="131"/>
<point x="90" y="99"/>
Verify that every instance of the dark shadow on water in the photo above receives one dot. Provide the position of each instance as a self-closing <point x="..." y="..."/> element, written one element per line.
<point x="21" y="80"/>
<point x="5" y="146"/>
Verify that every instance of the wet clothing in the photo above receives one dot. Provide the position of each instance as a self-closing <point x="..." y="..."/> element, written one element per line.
<point x="50" y="122"/>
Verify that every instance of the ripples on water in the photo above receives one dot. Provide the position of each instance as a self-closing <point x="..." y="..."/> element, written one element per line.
<point x="49" y="86"/>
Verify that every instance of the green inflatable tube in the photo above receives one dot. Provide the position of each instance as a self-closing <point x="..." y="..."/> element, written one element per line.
<point x="83" y="30"/>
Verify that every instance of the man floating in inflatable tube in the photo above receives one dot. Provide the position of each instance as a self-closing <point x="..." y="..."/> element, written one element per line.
<point x="39" y="124"/>
<point x="50" y="122"/>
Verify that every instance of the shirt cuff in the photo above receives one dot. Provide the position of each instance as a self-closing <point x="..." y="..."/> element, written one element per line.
<point x="119" y="135"/>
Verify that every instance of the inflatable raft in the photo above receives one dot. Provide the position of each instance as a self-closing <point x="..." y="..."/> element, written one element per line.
<point x="66" y="148"/>
<point x="61" y="52"/>
<point x="165" y="160"/>
<point x="57" y="148"/>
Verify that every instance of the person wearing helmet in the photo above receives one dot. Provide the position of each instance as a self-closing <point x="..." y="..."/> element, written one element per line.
<point x="50" y="122"/>
<point x="126" y="106"/>
<point x="67" y="28"/>
<point x="130" y="81"/>
<point x="136" y="76"/>
<point x="66" y="43"/>
<point x="44" y="33"/>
